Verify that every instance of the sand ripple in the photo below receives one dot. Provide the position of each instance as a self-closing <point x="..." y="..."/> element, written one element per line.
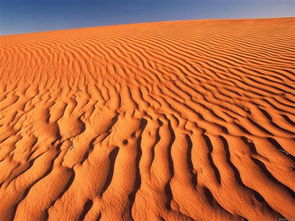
<point x="189" y="120"/>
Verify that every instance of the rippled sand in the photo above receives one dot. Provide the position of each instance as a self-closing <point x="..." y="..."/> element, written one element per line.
<point x="188" y="120"/>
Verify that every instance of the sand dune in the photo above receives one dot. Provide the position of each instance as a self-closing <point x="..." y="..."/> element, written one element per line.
<point x="187" y="120"/>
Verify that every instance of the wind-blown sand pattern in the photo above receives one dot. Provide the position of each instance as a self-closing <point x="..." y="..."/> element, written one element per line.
<point x="187" y="120"/>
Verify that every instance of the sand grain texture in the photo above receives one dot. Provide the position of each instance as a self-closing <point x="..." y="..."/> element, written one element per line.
<point x="187" y="120"/>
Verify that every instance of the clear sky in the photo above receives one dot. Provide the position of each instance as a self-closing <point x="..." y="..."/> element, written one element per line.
<point x="22" y="16"/>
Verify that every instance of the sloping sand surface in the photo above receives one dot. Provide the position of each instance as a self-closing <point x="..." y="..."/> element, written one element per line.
<point x="188" y="120"/>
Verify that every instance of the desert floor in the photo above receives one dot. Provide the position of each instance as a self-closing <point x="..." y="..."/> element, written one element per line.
<point x="186" y="120"/>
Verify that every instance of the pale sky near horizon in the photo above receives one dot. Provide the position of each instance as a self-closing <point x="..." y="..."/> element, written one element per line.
<point x="24" y="16"/>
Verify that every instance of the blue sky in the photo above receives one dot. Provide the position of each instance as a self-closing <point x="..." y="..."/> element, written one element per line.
<point x="23" y="16"/>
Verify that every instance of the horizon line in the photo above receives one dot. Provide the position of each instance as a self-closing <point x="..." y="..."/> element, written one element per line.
<point x="158" y="21"/>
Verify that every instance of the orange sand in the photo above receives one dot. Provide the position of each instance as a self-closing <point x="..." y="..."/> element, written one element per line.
<point x="188" y="120"/>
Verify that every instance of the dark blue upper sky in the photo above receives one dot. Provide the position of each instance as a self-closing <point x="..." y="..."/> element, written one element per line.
<point x="22" y="16"/>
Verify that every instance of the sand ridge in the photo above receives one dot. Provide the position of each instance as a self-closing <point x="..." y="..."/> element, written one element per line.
<point x="186" y="120"/>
